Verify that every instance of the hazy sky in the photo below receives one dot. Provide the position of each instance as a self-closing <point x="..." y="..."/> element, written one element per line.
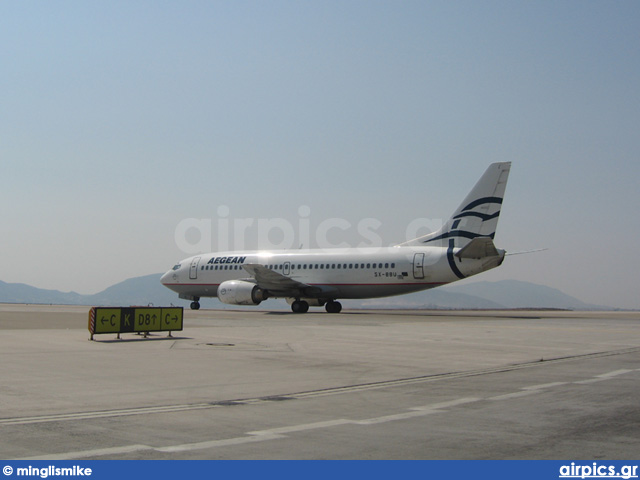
<point x="121" y="120"/>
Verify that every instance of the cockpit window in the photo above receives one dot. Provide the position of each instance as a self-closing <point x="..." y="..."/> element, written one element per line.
<point x="176" y="267"/>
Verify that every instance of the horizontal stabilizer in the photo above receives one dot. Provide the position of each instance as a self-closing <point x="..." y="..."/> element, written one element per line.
<point x="479" y="247"/>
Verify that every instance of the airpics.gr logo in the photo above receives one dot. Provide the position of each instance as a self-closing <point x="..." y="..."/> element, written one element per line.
<point x="596" y="470"/>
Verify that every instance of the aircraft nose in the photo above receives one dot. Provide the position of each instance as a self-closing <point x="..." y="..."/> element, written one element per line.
<point x="166" y="278"/>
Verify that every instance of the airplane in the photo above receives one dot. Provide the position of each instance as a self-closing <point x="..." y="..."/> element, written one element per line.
<point x="320" y="277"/>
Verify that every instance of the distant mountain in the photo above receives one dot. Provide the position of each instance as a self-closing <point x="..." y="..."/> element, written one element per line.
<point x="438" y="298"/>
<point x="134" y="291"/>
<point x="486" y="295"/>
<point x="518" y="294"/>
<point x="137" y="291"/>
<point x="479" y="295"/>
<point x="21" y="293"/>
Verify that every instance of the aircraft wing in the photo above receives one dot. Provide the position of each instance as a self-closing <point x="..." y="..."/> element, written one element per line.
<point x="279" y="284"/>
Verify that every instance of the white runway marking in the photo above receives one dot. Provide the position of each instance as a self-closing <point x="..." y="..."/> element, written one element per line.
<point x="91" y="453"/>
<point x="604" y="376"/>
<point x="282" y="432"/>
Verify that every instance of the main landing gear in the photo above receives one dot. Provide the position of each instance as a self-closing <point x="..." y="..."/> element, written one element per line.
<point x="195" y="305"/>
<point x="333" y="307"/>
<point x="301" y="306"/>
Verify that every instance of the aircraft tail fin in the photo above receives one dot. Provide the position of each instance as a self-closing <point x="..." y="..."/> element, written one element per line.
<point x="477" y="216"/>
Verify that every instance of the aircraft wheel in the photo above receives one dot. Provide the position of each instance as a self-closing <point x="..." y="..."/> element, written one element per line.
<point x="195" y="305"/>
<point x="299" y="306"/>
<point x="333" y="307"/>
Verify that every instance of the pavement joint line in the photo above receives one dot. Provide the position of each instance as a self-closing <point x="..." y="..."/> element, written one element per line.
<point x="329" y="391"/>
<point x="260" y="435"/>
<point x="280" y="432"/>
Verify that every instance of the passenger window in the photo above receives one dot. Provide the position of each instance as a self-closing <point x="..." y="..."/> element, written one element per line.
<point x="368" y="265"/>
<point x="386" y="265"/>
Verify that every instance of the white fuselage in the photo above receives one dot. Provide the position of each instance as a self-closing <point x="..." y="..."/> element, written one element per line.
<point x="338" y="274"/>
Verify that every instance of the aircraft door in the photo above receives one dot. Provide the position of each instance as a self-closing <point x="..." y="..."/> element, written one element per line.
<point x="418" y="266"/>
<point x="286" y="268"/>
<point x="193" y="270"/>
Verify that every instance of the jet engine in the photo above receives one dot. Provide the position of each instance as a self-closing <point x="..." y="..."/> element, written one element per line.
<point x="241" y="292"/>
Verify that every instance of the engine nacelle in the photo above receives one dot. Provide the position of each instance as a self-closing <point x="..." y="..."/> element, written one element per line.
<point x="240" y="292"/>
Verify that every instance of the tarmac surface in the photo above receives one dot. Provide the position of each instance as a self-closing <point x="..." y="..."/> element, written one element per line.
<point x="253" y="384"/>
